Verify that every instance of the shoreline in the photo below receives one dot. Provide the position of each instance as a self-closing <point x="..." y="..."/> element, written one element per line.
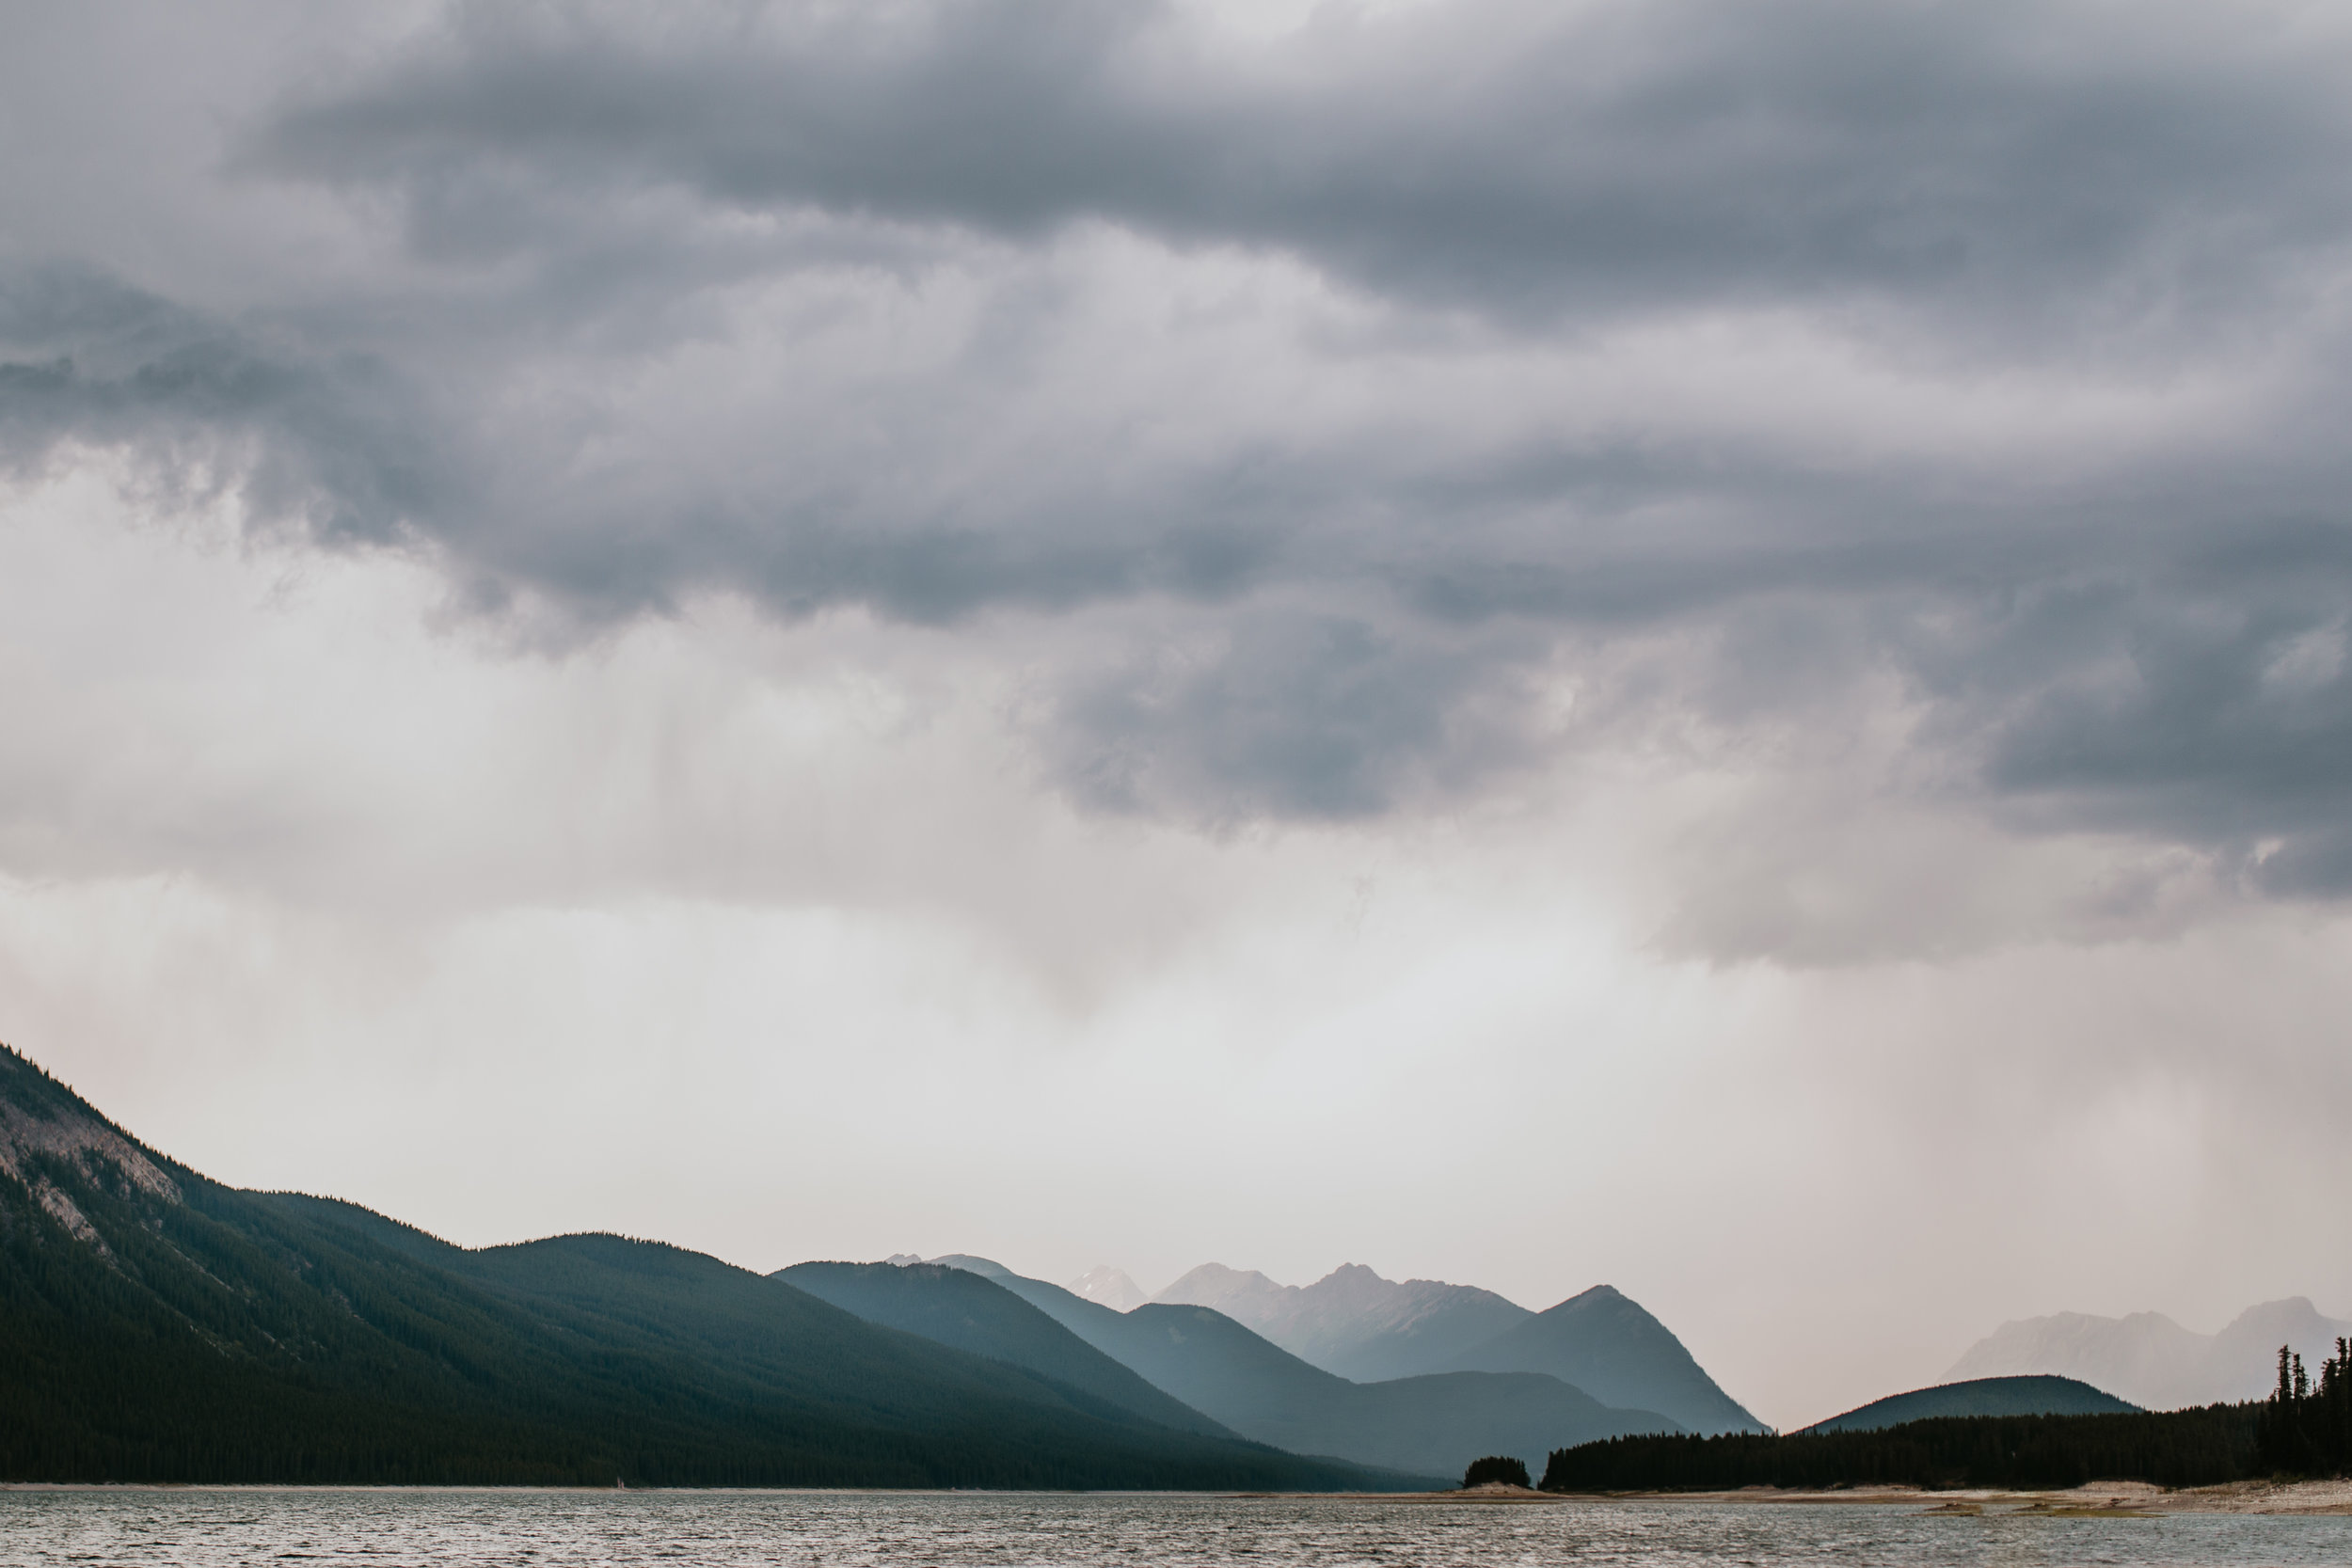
<point x="2111" y="1499"/>
<point x="1479" y="1495"/>
<point x="2115" y="1500"/>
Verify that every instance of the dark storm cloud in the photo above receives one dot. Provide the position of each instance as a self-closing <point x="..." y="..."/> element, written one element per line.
<point x="1493" y="154"/>
<point x="1332" y="618"/>
<point x="2206" y="700"/>
<point x="336" y="448"/>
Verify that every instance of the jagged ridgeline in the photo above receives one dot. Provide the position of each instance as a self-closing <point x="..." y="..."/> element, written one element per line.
<point x="157" y="1326"/>
<point x="2177" y="1448"/>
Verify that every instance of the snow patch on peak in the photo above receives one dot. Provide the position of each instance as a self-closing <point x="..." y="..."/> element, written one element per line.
<point x="1111" y="1287"/>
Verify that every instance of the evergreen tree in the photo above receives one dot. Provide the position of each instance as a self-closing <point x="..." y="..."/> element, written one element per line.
<point x="1500" y="1467"/>
<point x="2179" y="1448"/>
<point x="2306" y="1427"/>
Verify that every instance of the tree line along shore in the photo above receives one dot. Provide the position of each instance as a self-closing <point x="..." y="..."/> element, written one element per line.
<point x="2304" y="1428"/>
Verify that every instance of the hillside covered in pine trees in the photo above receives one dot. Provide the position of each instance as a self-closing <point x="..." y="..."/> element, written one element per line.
<point x="2171" y="1448"/>
<point x="158" y="1326"/>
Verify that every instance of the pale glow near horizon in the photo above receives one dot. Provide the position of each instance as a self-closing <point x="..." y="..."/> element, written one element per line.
<point x="1650" y="641"/>
<point x="1021" y="1033"/>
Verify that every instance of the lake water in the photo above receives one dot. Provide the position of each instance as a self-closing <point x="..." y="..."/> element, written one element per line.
<point x="690" y="1530"/>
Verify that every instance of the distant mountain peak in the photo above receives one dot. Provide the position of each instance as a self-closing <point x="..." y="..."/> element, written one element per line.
<point x="1110" y="1285"/>
<point x="1609" y="1345"/>
<point x="1215" y="1279"/>
<point x="1597" y="1296"/>
<point x="2150" y="1360"/>
<point x="1355" y="1323"/>
<point x="1352" y="1321"/>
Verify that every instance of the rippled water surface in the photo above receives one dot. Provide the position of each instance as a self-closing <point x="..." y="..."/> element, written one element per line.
<point x="681" y="1529"/>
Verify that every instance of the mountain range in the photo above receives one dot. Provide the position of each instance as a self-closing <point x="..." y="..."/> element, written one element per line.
<point x="157" y="1325"/>
<point x="1352" y="1321"/>
<point x="960" y="1308"/>
<point x="2152" y="1361"/>
<point x="1430" y="1425"/>
<point x="1361" y="1326"/>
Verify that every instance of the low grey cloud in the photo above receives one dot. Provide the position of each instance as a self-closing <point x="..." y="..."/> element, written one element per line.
<point x="1490" y="154"/>
<point x="2217" y="713"/>
<point x="890" y="601"/>
<point x="1351" y="392"/>
<point x="1288" y="715"/>
<point x="345" y="449"/>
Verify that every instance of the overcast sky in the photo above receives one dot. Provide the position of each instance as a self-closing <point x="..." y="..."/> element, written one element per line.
<point x="1694" y="644"/>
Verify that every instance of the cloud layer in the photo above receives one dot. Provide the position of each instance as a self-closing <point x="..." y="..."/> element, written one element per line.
<point x="1381" y="375"/>
<point x="881" y="603"/>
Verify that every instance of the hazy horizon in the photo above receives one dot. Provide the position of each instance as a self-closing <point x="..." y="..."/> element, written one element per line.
<point x="1695" y="645"/>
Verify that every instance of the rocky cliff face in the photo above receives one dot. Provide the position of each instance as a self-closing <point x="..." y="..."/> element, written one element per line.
<point x="45" y="1133"/>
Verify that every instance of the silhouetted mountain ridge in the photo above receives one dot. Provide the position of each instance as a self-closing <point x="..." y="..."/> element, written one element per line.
<point x="957" y="1307"/>
<point x="1431" y="1425"/>
<point x="1352" y="1321"/>
<point x="1605" y="1343"/>
<point x="155" y="1326"/>
<point x="1990" y="1396"/>
<point x="2152" y="1361"/>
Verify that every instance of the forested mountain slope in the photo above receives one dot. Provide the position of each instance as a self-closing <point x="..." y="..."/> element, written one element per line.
<point x="1988" y="1396"/>
<point x="2185" y="1447"/>
<point x="155" y="1326"/>
<point x="962" y="1310"/>
<point x="1605" y="1343"/>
